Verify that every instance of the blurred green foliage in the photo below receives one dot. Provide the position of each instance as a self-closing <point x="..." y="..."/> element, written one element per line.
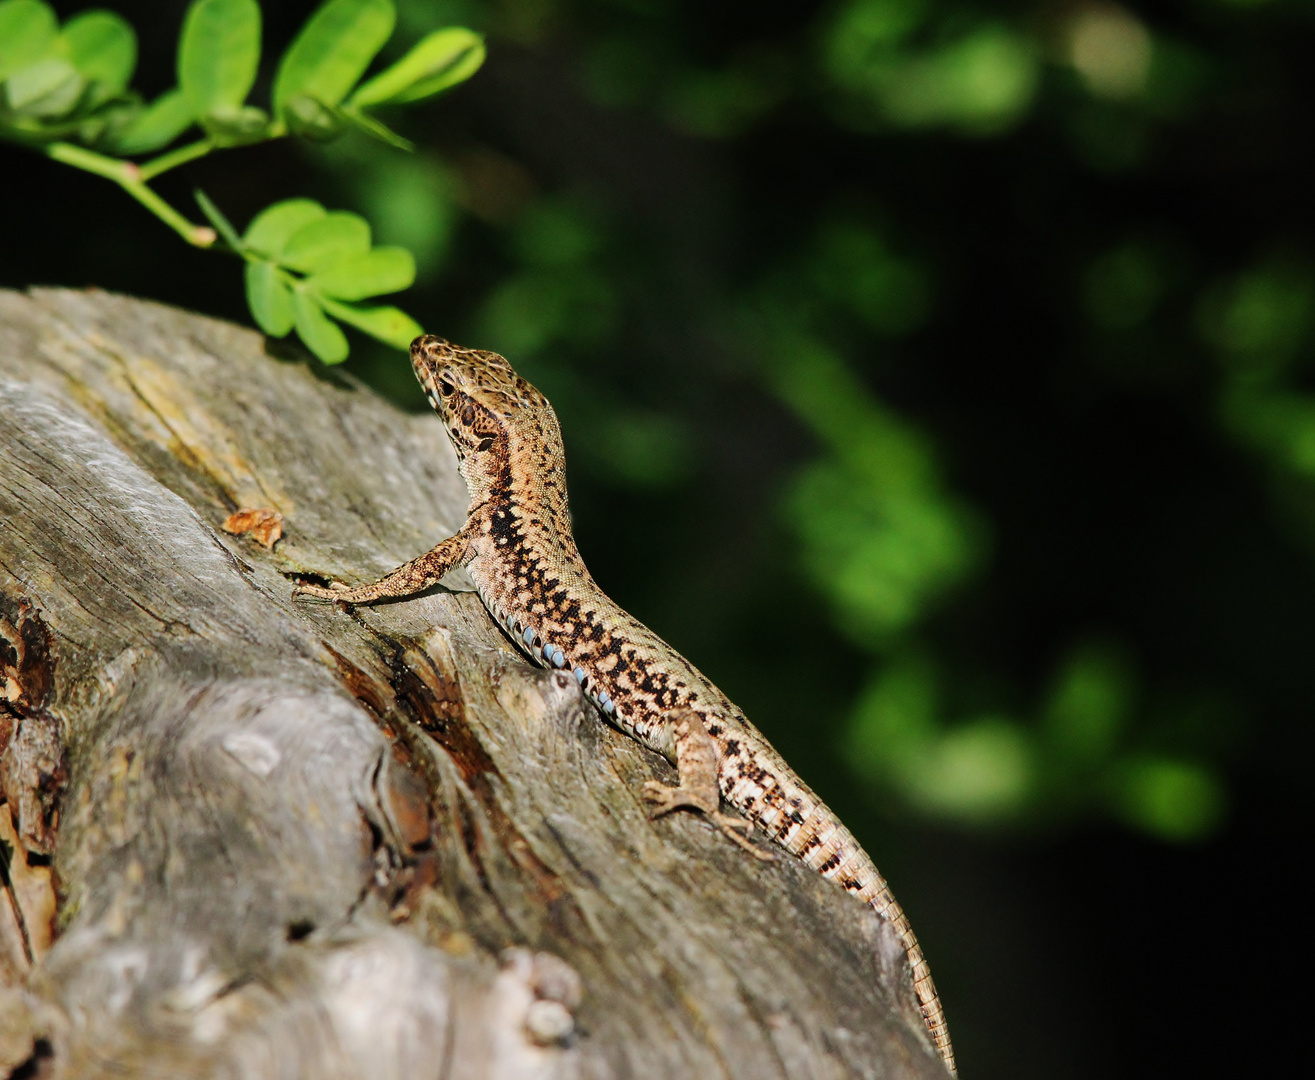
<point x="838" y="303"/>
<point x="915" y="346"/>
<point x="879" y="535"/>
<point x="895" y="61"/>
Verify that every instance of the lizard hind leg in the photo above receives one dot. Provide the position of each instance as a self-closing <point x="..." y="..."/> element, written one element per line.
<point x="697" y="758"/>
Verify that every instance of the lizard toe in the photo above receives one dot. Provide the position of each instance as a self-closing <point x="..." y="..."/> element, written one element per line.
<point x="735" y="828"/>
<point x="661" y="798"/>
<point x="319" y="592"/>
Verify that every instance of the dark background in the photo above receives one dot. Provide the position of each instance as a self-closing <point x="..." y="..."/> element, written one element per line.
<point x="938" y="377"/>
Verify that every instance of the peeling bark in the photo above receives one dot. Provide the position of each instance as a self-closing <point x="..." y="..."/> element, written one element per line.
<point x="302" y="841"/>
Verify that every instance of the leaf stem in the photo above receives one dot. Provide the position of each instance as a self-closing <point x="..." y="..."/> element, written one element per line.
<point x="90" y="161"/>
<point x="221" y="223"/>
<point x="129" y="177"/>
<point x="149" y="170"/>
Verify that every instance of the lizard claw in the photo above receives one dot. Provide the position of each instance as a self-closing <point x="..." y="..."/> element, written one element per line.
<point x="729" y="821"/>
<point x="738" y="828"/>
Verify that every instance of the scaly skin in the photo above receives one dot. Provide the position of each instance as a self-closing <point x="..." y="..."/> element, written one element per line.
<point x="518" y="548"/>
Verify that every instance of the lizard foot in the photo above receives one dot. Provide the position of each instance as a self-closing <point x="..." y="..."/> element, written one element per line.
<point x="665" y="799"/>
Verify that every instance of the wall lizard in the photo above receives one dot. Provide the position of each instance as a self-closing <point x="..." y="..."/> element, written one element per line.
<point x="518" y="548"/>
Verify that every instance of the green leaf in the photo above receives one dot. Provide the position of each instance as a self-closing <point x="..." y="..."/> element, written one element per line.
<point x="320" y="334"/>
<point x="270" y="298"/>
<point x="28" y="30"/>
<point x="442" y="59"/>
<point x="311" y="120"/>
<point x="50" y="87"/>
<point x="389" y="324"/>
<point x="332" y="51"/>
<point x="104" y="50"/>
<point x="162" y="121"/>
<point x="270" y="229"/>
<point x="236" y="127"/>
<point x="334" y="237"/>
<point x="381" y="270"/>
<point x="106" y="124"/>
<point x="218" y="54"/>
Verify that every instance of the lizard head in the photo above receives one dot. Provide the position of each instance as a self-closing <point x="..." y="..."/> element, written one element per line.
<point x="477" y="394"/>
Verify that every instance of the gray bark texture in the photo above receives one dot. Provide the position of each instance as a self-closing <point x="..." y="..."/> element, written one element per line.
<point x="246" y="837"/>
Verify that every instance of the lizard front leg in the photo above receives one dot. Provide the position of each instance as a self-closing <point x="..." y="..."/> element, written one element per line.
<point x="417" y="575"/>
<point x="697" y="758"/>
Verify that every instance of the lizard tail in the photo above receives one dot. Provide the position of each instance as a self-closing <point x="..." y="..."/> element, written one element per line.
<point x="829" y="848"/>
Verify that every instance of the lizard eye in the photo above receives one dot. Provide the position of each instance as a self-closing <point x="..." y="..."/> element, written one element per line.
<point x="468" y="414"/>
<point x="446" y="387"/>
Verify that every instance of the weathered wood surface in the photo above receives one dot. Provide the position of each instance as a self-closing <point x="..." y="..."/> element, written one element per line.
<point x="298" y="841"/>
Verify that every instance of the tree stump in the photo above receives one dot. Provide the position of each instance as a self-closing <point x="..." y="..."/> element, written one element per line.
<point x="251" y="838"/>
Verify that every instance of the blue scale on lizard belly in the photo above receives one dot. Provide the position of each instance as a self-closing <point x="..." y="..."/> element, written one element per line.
<point x="551" y="655"/>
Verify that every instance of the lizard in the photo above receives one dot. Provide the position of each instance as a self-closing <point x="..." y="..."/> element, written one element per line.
<point x="518" y="548"/>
